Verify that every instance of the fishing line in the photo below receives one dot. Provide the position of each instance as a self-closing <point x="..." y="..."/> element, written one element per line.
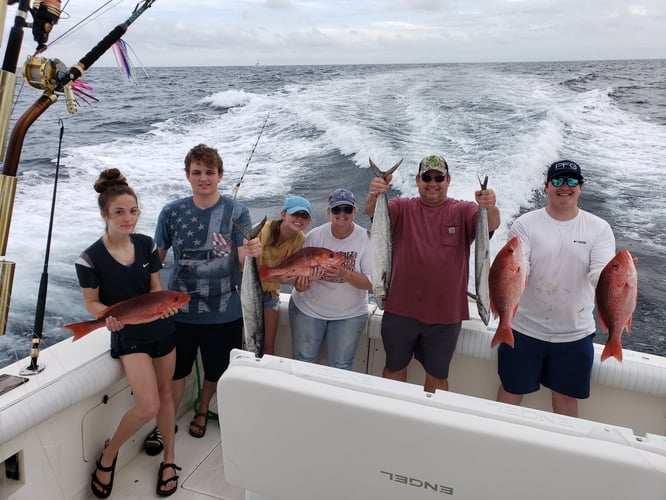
<point x="89" y="18"/>
<point x="237" y="186"/>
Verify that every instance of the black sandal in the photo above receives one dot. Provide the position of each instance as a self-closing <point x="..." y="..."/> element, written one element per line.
<point x="99" y="489"/>
<point x="161" y="483"/>
<point x="153" y="444"/>
<point x="197" y="430"/>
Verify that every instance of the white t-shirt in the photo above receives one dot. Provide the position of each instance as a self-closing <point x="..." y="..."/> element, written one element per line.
<point x="564" y="261"/>
<point x="330" y="300"/>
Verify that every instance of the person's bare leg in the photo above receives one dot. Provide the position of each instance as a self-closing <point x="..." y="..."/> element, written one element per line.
<point x="400" y="375"/>
<point x="564" y="405"/>
<point x="433" y="383"/>
<point x="507" y="397"/>
<point x="271" y="318"/>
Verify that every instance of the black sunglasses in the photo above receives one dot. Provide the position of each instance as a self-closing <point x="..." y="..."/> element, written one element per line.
<point x="428" y="178"/>
<point x="342" y="208"/>
<point x="571" y="181"/>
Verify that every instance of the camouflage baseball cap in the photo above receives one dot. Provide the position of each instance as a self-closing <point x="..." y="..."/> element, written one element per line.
<point x="433" y="162"/>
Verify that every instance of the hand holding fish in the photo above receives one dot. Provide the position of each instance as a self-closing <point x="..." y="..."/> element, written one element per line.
<point x="379" y="185"/>
<point x="113" y="325"/>
<point x="135" y="311"/>
<point x="252" y="248"/>
<point x="485" y="198"/>
<point x="302" y="283"/>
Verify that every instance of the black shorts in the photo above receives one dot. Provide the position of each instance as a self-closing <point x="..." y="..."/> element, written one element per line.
<point x="432" y="345"/>
<point x="215" y="343"/>
<point x="122" y="345"/>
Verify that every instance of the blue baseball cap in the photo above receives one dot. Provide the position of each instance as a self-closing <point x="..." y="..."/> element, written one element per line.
<point x="295" y="204"/>
<point x="341" y="197"/>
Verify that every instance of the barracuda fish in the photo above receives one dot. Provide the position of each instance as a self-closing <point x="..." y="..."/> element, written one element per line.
<point x="143" y="308"/>
<point x="381" y="241"/>
<point x="482" y="261"/>
<point x="252" y="298"/>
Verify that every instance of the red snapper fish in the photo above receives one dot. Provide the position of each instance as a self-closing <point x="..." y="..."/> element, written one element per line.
<point x="616" y="294"/>
<point x="507" y="279"/>
<point x="137" y="310"/>
<point x="302" y="263"/>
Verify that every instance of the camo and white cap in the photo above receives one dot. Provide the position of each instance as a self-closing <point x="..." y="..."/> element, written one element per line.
<point x="433" y="162"/>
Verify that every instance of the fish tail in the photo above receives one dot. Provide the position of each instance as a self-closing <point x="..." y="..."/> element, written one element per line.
<point x="83" y="328"/>
<point x="379" y="172"/>
<point x="612" y="348"/>
<point x="252" y="233"/>
<point x="503" y="334"/>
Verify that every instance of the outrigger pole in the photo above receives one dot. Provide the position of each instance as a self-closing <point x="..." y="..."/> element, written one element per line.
<point x="53" y="77"/>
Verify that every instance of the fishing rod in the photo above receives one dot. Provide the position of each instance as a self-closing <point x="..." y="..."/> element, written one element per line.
<point x="51" y="76"/>
<point x="237" y="186"/>
<point x="34" y="366"/>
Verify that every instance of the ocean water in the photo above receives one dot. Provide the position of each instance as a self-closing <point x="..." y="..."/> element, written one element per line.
<point x="507" y="121"/>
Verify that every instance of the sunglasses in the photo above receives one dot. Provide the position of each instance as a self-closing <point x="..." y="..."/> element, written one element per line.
<point x="342" y="208"/>
<point x="428" y="178"/>
<point x="571" y="181"/>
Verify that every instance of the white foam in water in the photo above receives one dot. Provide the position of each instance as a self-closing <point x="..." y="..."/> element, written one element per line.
<point x="483" y="119"/>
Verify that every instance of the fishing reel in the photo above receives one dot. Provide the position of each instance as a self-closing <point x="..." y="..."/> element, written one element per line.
<point x="45" y="14"/>
<point x="45" y="74"/>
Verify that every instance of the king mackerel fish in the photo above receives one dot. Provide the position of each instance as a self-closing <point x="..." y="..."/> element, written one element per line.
<point x="252" y="298"/>
<point x="381" y="241"/>
<point x="482" y="261"/>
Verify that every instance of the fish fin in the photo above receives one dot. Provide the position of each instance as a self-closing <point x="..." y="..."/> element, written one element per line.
<point x="515" y="310"/>
<point x="264" y="272"/>
<point x="503" y="334"/>
<point x="628" y="325"/>
<point x="612" y="348"/>
<point x="83" y="328"/>
<point x="602" y="322"/>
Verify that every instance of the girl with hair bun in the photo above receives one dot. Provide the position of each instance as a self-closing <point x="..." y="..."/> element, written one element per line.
<point x="118" y="266"/>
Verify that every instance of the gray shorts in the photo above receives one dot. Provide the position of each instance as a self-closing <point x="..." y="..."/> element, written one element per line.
<point x="432" y="344"/>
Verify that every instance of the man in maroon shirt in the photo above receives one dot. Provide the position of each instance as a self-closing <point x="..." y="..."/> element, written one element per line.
<point x="427" y="298"/>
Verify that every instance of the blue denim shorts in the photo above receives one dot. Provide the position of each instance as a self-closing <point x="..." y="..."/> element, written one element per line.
<point x="271" y="302"/>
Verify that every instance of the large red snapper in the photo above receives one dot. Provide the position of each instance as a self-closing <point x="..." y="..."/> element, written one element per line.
<point x="506" y="280"/>
<point x="616" y="293"/>
<point x="302" y="263"/>
<point x="143" y="308"/>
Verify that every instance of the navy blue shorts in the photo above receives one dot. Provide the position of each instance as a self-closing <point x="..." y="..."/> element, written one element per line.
<point x="215" y="343"/>
<point x="432" y="345"/>
<point x="564" y="367"/>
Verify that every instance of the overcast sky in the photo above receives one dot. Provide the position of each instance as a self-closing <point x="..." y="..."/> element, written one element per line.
<point x="246" y="32"/>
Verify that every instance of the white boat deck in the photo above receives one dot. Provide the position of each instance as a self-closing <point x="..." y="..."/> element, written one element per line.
<point x="55" y="425"/>
<point x="201" y="477"/>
